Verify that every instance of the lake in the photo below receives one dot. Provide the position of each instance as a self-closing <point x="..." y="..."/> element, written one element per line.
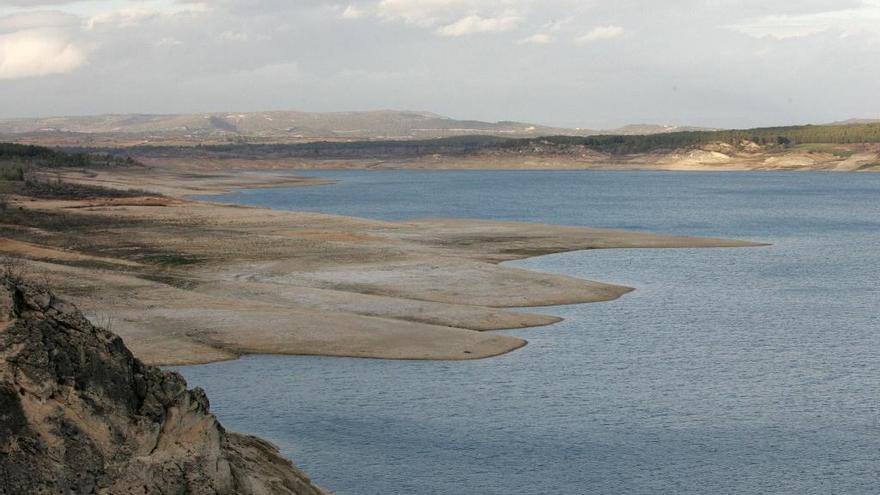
<point x="727" y="371"/>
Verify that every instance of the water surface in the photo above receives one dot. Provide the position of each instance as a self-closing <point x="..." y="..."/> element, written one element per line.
<point x="727" y="371"/>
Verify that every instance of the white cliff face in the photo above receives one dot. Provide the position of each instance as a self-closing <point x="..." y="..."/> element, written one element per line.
<point x="79" y="414"/>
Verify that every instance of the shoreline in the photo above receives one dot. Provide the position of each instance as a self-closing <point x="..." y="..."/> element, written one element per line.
<point x="202" y="282"/>
<point x="697" y="160"/>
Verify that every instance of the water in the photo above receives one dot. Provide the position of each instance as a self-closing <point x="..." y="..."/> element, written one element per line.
<point x="728" y="370"/>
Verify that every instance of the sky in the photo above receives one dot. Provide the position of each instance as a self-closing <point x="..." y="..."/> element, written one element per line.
<point x="574" y="63"/>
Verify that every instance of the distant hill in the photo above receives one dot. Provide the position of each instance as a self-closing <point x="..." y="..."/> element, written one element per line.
<point x="855" y="121"/>
<point x="288" y="126"/>
<point x="649" y="129"/>
<point x="383" y="124"/>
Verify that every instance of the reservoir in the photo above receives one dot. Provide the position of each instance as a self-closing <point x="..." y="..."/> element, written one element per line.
<point x="727" y="371"/>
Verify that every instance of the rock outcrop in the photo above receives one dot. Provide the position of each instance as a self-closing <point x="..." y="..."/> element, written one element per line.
<point x="80" y="414"/>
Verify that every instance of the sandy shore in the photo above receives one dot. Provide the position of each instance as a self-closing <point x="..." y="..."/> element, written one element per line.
<point x="188" y="282"/>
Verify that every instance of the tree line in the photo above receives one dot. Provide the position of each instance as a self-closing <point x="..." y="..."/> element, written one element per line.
<point x="41" y="156"/>
<point x="766" y="136"/>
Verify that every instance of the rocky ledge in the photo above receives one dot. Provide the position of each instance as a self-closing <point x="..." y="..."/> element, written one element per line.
<point x="80" y="414"/>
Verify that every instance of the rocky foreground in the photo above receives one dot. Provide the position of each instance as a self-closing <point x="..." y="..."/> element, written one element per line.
<point x="80" y="414"/>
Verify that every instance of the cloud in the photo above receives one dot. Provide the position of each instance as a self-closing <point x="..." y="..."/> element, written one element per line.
<point x="424" y="13"/>
<point x="537" y="39"/>
<point x="474" y="24"/>
<point x="600" y="33"/>
<point x="190" y="55"/>
<point x="235" y="36"/>
<point x="168" y="43"/>
<point x="36" y="3"/>
<point x="142" y="11"/>
<point x="455" y="17"/>
<point x="35" y="53"/>
<point x="352" y="12"/>
<point x="40" y="19"/>
<point x="864" y="19"/>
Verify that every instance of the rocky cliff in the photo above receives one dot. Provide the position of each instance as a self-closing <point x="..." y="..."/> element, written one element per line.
<point x="79" y="414"/>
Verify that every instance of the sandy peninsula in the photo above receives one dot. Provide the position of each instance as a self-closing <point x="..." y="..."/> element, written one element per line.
<point x="187" y="282"/>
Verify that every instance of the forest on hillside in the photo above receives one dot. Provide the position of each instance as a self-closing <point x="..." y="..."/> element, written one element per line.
<point x="774" y="136"/>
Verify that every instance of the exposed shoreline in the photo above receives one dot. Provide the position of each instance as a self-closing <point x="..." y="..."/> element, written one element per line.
<point x="192" y="282"/>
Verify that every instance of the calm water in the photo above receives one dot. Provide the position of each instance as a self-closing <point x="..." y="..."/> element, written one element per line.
<point x="727" y="371"/>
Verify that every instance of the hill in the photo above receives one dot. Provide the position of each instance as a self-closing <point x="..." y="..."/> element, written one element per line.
<point x="281" y="127"/>
<point x="388" y="124"/>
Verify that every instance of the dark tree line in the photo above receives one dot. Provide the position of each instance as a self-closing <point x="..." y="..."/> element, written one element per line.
<point x="46" y="157"/>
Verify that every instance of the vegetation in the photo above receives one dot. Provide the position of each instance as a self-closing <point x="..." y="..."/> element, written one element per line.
<point x="330" y="149"/>
<point x="11" y="172"/>
<point x="45" y="188"/>
<point x="23" y="167"/>
<point x="416" y="146"/>
<point x="832" y="149"/>
<point x="23" y="155"/>
<point x="768" y="136"/>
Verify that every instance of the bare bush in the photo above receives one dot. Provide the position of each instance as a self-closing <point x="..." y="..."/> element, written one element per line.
<point x="11" y="269"/>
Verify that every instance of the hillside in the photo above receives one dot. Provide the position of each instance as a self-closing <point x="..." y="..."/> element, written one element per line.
<point x="80" y="414"/>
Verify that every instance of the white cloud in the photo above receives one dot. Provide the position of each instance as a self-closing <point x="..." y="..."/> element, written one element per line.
<point x="36" y="3"/>
<point x="600" y="33"/>
<point x="537" y="39"/>
<point x="234" y="35"/>
<point x="35" y="53"/>
<point x="168" y="43"/>
<point x="352" y="12"/>
<point x="424" y="13"/>
<point x="474" y="24"/>
<point x="455" y="17"/>
<point x="864" y="19"/>
<point x="39" y="19"/>
<point x="132" y="16"/>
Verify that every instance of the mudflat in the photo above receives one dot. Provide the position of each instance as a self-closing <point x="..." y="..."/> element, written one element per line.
<point x="187" y="282"/>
